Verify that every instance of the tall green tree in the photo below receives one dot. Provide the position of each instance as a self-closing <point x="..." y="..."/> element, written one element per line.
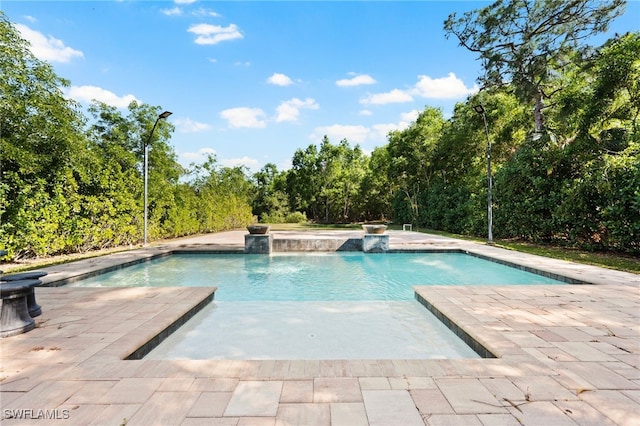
<point x="411" y="154"/>
<point x="39" y="129"/>
<point x="524" y="42"/>
<point x="271" y="202"/>
<point x="224" y="196"/>
<point x="602" y="193"/>
<point x="303" y="184"/>
<point x="376" y="188"/>
<point x="324" y="182"/>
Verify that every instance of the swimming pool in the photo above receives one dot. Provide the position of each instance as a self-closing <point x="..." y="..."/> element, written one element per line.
<point x="315" y="276"/>
<point x="314" y="305"/>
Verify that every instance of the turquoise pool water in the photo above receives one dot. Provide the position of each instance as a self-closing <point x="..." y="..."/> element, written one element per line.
<point x="315" y="276"/>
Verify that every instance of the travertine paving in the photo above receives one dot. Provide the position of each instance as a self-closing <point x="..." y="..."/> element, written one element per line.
<point x="564" y="355"/>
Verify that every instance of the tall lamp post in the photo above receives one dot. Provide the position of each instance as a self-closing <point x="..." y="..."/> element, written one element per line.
<point x="480" y="110"/>
<point x="146" y="169"/>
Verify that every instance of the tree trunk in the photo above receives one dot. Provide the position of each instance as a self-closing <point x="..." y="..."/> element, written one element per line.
<point x="538" y="116"/>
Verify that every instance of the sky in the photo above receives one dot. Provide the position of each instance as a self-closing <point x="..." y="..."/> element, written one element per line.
<point x="253" y="81"/>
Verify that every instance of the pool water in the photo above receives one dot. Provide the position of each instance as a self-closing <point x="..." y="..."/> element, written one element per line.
<point x="315" y="276"/>
<point x="313" y="330"/>
<point x="314" y="305"/>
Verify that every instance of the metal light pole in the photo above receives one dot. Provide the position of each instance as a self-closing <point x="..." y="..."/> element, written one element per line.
<point x="146" y="168"/>
<point x="480" y="110"/>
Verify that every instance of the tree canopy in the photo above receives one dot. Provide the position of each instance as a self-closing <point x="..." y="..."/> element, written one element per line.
<point x="526" y="42"/>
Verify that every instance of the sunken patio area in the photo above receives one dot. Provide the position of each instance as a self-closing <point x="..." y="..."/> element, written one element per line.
<point x="566" y="355"/>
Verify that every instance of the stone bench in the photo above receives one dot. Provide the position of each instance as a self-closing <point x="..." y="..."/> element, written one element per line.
<point x="14" y="314"/>
<point x="34" y="308"/>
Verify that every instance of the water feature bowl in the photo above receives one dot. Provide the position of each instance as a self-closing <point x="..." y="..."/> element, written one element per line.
<point x="374" y="229"/>
<point x="258" y="229"/>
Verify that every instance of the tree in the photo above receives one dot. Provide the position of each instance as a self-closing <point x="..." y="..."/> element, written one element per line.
<point x="524" y="42"/>
<point x="224" y="196"/>
<point x="601" y="196"/>
<point x="376" y="189"/>
<point x="270" y="203"/>
<point x="411" y="155"/>
<point x="324" y="183"/>
<point x="302" y="182"/>
<point x="39" y="132"/>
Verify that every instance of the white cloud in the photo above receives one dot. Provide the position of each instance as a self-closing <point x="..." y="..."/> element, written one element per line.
<point x="89" y="93"/>
<point x="290" y="110"/>
<point x="176" y="11"/>
<point x="394" y="96"/>
<point x="214" y="34"/>
<point x="198" y="156"/>
<point x="186" y="125"/>
<point x="251" y="163"/>
<point x="449" y="87"/>
<point x="279" y="79"/>
<point x="408" y="117"/>
<point x="357" y="80"/>
<point x="365" y="112"/>
<point x="47" y="48"/>
<point x="205" y="12"/>
<point x="337" y="132"/>
<point x="382" y="130"/>
<point x="244" y="117"/>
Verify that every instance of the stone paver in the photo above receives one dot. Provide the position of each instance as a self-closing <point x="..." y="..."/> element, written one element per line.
<point x="255" y="398"/>
<point x="468" y="396"/>
<point x="391" y="408"/>
<point x="336" y="389"/>
<point x="297" y="391"/>
<point x="348" y="414"/>
<point x="304" y="414"/>
<point x="567" y="354"/>
<point x="210" y="404"/>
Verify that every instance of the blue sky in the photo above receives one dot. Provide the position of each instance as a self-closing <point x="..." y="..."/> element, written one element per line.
<point x="251" y="82"/>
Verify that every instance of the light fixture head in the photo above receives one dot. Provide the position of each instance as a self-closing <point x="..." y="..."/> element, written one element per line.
<point x="165" y="114"/>
<point x="479" y="109"/>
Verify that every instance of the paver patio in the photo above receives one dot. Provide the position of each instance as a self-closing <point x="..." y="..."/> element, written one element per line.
<point x="564" y="355"/>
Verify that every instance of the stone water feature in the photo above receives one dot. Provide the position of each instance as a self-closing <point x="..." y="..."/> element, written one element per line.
<point x="375" y="239"/>
<point x="259" y="241"/>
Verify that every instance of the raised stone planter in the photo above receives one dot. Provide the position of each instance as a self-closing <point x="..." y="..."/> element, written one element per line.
<point x="374" y="229"/>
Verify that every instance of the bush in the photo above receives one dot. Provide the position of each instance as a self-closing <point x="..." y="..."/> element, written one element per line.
<point x="295" y="217"/>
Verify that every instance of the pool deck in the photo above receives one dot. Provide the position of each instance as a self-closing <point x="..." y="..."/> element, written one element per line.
<point x="566" y="355"/>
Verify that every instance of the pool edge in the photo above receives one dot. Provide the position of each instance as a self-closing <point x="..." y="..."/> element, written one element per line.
<point x="152" y="343"/>
<point x="473" y="343"/>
